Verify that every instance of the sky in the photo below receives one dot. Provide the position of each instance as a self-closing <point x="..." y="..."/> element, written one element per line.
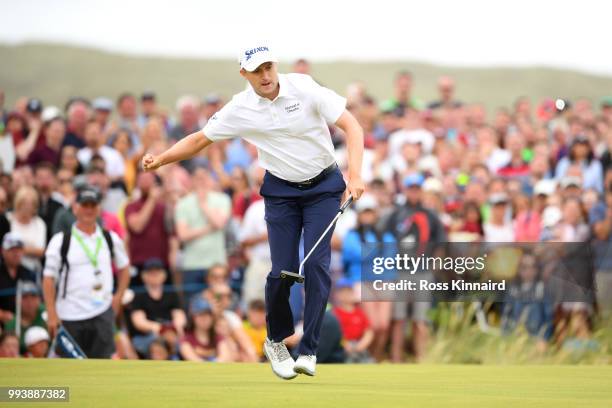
<point x="564" y="34"/>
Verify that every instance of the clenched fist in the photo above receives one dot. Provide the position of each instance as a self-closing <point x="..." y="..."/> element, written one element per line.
<point x="150" y="162"/>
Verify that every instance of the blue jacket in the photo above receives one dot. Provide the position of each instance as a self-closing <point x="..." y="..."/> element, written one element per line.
<point x="358" y="266"/>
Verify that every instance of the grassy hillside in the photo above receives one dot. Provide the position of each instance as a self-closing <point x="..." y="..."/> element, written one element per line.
<point x="55" y="72"/>
<point x="185" y="384"/>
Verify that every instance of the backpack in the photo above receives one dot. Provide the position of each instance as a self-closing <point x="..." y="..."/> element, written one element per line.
<point x="65" y="266"/>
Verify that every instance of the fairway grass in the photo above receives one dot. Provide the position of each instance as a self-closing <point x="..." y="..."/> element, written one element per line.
<point x="98" y="383"/>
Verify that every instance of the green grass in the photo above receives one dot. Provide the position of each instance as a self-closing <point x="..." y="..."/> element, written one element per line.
<point x="184" y="384"/>
<point x="56" y="72"/>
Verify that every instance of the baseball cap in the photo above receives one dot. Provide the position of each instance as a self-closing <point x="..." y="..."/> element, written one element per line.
<point x="432" y="184"/>
<point x="50" y="112"/>
<point x="498" y="198"/>
<point x="544" y="187"/>
<point x="415" y="179"/>
<point x="212" y="99"/>
<point x="35" y="334"/>
<point x="12" y="240"/>
<point x="571" y="181"/>
<point x="103" y="104"/>
<point x="148" y="96"/>
<point x="344" y="283"/>
<point x="253" y="56"/>
<point x="34" y="105"/>
<point x="88" y="194"/>
<point x="580" y="139"/>
<point x="152" y="264"/>
<point x="29" y="288"/>
<point x="200" y="305"/>
<point x="366" y="202"/>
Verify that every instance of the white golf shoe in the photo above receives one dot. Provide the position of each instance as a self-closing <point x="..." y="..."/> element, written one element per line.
<point x="281" y="360"/>
<point x="305" y="365"/>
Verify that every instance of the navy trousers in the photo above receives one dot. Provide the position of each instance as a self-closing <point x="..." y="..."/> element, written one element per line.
<point x="289" y="211"/>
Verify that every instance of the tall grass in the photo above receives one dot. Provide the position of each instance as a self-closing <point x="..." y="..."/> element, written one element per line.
<point x="458" y="339"/>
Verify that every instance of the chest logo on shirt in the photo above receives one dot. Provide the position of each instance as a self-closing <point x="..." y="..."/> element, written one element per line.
<point x="293" y="108"/>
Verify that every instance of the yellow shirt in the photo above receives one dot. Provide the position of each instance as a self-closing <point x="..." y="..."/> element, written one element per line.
<point x="257" y="336"/>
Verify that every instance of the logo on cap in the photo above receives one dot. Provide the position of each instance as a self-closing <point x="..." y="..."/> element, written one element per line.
<point x="249" y="53"/>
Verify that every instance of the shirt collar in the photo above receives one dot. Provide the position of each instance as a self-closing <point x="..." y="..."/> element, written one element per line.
<point x="84" y="234"/>
<point x="282" y="92"/>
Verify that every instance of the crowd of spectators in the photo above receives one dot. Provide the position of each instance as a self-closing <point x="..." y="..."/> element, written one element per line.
<point x="196" y="234"/>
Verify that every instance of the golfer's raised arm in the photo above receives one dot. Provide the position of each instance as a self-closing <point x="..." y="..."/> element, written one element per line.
<point x="354" y="147"/>
<point x="184" y="149"/>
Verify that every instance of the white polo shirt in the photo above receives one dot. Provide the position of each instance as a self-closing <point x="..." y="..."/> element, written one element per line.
<point x="82" y="301"/>
<point x="291" y="132"/>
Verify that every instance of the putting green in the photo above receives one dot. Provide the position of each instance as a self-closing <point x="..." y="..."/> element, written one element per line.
<point x="182" y="384"/>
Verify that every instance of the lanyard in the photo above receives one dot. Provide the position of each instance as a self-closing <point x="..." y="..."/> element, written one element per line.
<point x="93" y="258"/>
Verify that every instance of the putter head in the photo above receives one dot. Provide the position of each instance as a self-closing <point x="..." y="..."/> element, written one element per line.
<point x="296" y="277"/>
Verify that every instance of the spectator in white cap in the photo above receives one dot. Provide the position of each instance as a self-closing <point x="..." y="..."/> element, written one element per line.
<point x="102" y="109"/>
<point x="498" y="228"/>
<point x="37" y="342"/>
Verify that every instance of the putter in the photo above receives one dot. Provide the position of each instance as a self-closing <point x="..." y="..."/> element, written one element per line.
<point x="299" y="277"/>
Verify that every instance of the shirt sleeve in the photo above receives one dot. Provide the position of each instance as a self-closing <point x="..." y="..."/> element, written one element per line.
<point x="121" y="257"/>
<point x="53" y="258"/>
<point x="329" y="104"/>
<point x="222" y="125"/>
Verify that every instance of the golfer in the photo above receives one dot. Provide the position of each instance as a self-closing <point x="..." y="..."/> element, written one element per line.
<point x="286" y="117"/>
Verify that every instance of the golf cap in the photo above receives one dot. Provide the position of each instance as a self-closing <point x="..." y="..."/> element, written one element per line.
<point x="571" y="181"/>
<point x="344" y="283"/>
<point x="153" y="264"/>
<point x="545" y="187"/>
<point x="212" y="99"/>
<point x="35" y="334"/>
<point x="200" y="305"/>
<point x="50" y="113"/>
<point x="12" y="240"/>
<point x="88" y="195"/>
<point x="29" y="288"/>
<point x="498" y="198"/>
<point x="103" y="104"/>
<point x="414" y="180"/>
<point x="148" y="96"/>
<point x="366" y="202"/>
<point x="433" y="185"/>
<point x="34" y="105"/>
<point x="580" y="139"/>
<point x="254" y="56"/>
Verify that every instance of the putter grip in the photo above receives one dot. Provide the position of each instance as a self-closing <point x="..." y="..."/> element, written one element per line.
<point x="348" y="202"/>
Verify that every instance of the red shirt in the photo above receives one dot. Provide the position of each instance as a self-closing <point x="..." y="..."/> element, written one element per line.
<point x="353" y="323"/>
<point x="152" y="241"/>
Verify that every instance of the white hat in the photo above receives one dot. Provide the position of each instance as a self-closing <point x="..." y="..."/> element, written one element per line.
<point x="433" y="185"/>
<point x="571" y="181"/>
<point x="545" y="187"/>
<point x="35" y="334"/>
<point x="12" y="240"/>
<point x="50" y="112"/>
<point x="252" y="57"/>
<point x="366" y="202"/>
